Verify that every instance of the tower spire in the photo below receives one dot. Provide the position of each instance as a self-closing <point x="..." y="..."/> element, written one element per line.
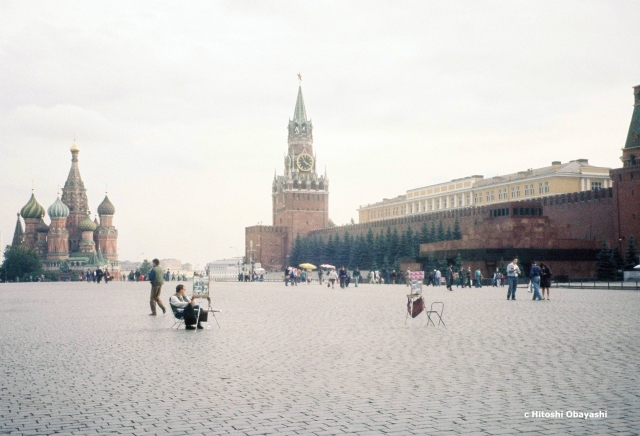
<point x="633" y="138"/>
<point x="18" y="234"/>
<point x="300" y="113"/>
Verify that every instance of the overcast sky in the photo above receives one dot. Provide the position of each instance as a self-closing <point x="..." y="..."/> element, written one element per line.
<point x="182" y="107"/>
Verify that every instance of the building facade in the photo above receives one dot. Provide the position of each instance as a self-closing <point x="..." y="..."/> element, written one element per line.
<point x="300" y="197"/>
<point x="559" y="178"/>
<point x="72" y="242"/>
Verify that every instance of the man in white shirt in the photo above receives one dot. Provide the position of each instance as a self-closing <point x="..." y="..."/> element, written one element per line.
<point x="180" y="302"/>
<point x="512" y="275"/>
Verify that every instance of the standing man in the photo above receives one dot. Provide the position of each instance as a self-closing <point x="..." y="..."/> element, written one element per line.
<point x="450" y="277"/>
<point x="535" y="273"/>
<point x="156" y="278"/>
<point x="356" y="276"/>
<point x="512" y="277"/>
<point x="438" y="277"/>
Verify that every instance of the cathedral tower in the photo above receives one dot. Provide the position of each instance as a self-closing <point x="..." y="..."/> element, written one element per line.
<point x="58" y="237"/>
<point x="74" y="195"/>
<point x="106" y="235"/>
<point x="32" y="212"/>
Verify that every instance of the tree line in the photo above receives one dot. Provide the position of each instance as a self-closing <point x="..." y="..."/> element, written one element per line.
<point x="610" y="262"/>
<point x="384" y="250"/>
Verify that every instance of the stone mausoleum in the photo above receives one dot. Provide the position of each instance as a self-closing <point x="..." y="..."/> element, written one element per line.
<point x="72" y="242"/>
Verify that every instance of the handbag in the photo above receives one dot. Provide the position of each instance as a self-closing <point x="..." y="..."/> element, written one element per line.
<point x="418" y="307"/>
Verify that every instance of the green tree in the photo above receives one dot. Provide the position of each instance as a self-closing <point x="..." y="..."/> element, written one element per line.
<point x="449" y="234"/>
<point x="145" y="267"/>
<point x="458" y="262"/>
<point x="331" y="224"/>
<point x="433" y="234"/>
<point x="380" y="249"/>
<point x="330" y="251"/>
<point x="606" y="268"/>
<point x="457" y="233"/>
<point x="394" y="244"/>
<point x="20" y="262"/>
<point x="441" y="235"/>
<point x="369" y="255"/>
<point x="64" y="267"/>
<point x="424" y="233"/>
<point x="631" y="257"/>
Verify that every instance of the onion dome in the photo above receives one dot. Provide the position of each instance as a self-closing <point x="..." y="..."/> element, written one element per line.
<point x="32" y="209"/>
<point x="74" y="147"/>
<point x="58" y="209"/>
<point x="106" y="207"/>
<point x="86" y="225"/>
<point x="42" y="227"/>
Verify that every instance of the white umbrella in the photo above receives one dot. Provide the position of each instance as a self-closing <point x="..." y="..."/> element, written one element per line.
<point x="636" y="267"/>
<point x="327" y="266"/>
<point x="259" y="270"/>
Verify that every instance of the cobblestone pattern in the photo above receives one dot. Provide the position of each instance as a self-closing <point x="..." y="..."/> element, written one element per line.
<point x="87" y="359"/>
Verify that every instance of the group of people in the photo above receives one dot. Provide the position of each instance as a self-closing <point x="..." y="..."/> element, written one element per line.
<point x="342" y="276"/>
<point x="137" y="276"/>
<point x="97" y="275"/>
<point x="540" y="278"/>
<point x="293" y="276"/>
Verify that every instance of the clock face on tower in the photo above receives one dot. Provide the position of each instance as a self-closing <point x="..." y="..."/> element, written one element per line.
<point x="305" y="162"/>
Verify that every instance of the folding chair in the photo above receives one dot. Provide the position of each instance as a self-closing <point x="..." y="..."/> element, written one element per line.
<point x="178" y="314"/>
<point x="435" y="312"/>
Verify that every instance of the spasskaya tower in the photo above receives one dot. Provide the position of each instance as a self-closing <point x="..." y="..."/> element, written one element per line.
<point x="300" y="197"/>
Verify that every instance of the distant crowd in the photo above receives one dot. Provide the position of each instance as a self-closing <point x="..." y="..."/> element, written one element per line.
<point x="137" y="276"/>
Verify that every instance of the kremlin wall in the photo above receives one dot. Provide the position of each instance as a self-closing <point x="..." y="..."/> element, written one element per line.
<point x="560" y="215"/>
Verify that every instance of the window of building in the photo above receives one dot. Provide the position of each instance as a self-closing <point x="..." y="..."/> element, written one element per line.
<point x="546" y="187"/>
<point x="540" y="188"/>
<point x="444" y="203"/>
<point x="453" y="201"/>
<point x="438" y="204"/>
<point x="468" y="198"/>
<point x="513" y="192"/>
<point x="596" y="185"/>
<point x="517" y="191"/>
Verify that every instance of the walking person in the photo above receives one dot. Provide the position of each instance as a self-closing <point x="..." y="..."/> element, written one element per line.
<point x="99" y="275"/>
<point x="333" y="276"/>
<point x="342" y="275"/>
<point x="545" y="280"/>
<point x="468" y="277"/>
<point x="356" y="276"/>
<point x="478" y="278"/>
<point x="512" y="276"/>
<point x="320" y="276"/>
<point x="496" y="278"/>
<point x="535" y="273"/>
<point x="449" y="277"/>
<point x="460" y="281"/>
<point x="438" y="277"/>
<point x="157" y="280"/>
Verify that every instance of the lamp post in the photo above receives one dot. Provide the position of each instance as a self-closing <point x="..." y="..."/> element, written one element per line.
<point x="238" y="261"/>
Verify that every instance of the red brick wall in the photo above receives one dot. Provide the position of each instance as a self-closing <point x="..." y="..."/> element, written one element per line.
<point x="626" y="213"/>
<point x="269" y="245"/>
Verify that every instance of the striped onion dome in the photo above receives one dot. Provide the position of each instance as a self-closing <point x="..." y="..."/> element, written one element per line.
<point x="32" y="209"/>
<point x="106" y="207"/>
<point x="42" y="227"/>
<point x="86" y="225"/>
<point x="58" y="209"/>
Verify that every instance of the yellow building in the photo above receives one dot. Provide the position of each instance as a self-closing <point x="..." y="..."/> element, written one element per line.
<point x="574" y="176"/>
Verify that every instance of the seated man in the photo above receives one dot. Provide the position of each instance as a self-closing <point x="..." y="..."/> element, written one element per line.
<point x="180" y="301"/>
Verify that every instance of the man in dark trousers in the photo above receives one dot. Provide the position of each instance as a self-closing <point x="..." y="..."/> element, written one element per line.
<point x="190" y="315"/>
<point x="156" y="278"/>
<point x="449" y="277"/>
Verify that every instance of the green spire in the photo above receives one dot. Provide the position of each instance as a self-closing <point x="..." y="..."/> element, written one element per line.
<point x="300" y="113"/>
<point x="18" y="234"/>
<point x="633" y="139"/>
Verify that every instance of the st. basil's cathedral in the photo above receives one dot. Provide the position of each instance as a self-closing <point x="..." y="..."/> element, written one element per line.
<point x="72" y="236"/>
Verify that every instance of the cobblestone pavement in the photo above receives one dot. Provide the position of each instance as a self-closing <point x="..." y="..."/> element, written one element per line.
<point x="87" y="359"/>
